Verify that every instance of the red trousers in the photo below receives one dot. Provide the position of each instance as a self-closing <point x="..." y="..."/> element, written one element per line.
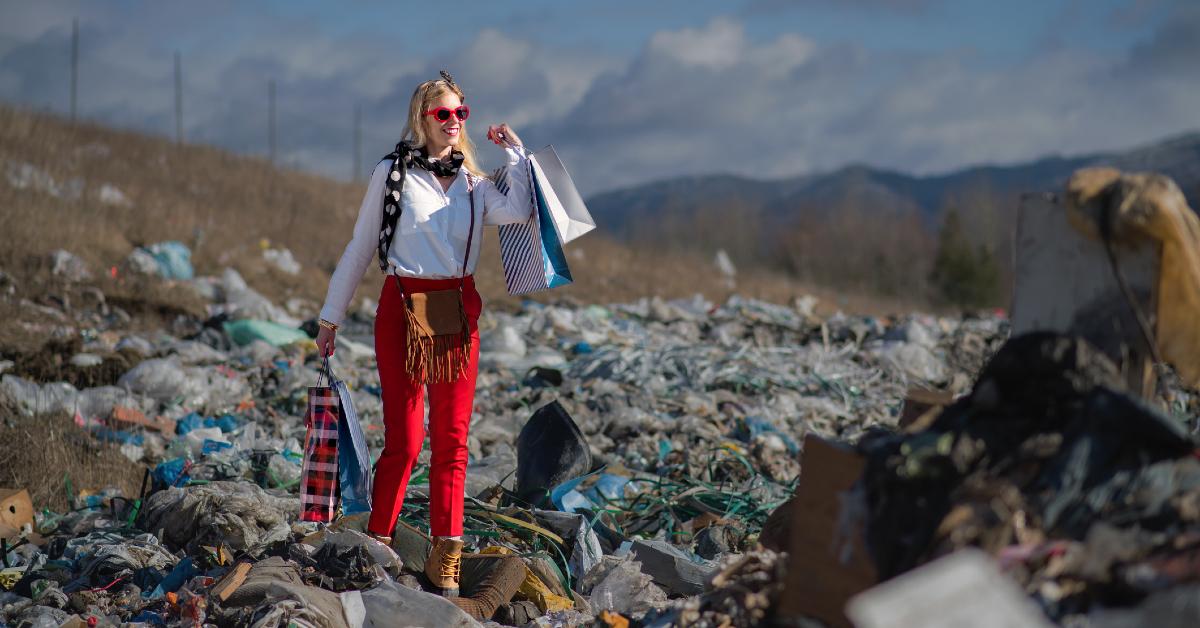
<point x="450" y="407"/>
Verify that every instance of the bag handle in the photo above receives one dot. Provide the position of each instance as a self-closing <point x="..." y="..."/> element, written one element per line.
<point x="517" y="147"/>
<point x="325" y="373"/>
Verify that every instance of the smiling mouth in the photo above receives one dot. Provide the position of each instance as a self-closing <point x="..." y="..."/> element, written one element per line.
<point x="451" y="132"/>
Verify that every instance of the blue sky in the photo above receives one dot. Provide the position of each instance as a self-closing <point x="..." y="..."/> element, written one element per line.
<point x="634" y="91"/>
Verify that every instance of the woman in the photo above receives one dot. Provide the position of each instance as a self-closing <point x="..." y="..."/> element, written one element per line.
<point x="423" y="215"/>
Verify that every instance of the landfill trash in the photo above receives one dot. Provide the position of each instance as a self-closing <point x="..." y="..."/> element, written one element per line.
<point x="914" y="359"/>
<point x="69" y="266"/>
<point x="173" y="258"/>
<point x="714" y="541"/>
<point x="671" y="568"/>
<point x="245" y="331"/>
<point x="349" y="560"/>
<point x="537" y="584"/>
<point x="385" y="604"/>
<point x="29" y="398"/>
<point x="822" y="529"/>
<point x="140" y="262"/>
<point x="488" y="582"/>
<point x="561" y="619"/>
<point x="672" y="442"/>
<point x="237" y="514"/>
<point x="193" y="353"/>
<point x="85" y="360"/>
<point x="25" y="176"/>
<point x="618" y="584"/>
<point x="745" y="591"/>
<point x="1050" y="466"/>
<point x="167" y="381"/>
<point x="244" y="302"/>
<point x="1150" y="206"/>
<point x="283" y="260"/>
<point x="550" y="450"/>
<point x="273" y="594"/>
<point x="963" y="589"/>
<point x="726" y="268"/>
<point x="1174" y="608"/>
<point x="110" y="194"/>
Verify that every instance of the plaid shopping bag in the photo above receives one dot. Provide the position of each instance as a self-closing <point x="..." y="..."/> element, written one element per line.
<point x="319" y="482"/>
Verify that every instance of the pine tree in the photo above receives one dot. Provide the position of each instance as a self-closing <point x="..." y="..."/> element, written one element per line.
<point x="963" y="275"/>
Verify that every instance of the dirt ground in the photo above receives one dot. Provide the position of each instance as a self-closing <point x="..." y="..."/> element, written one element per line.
<point x="50" y="456"/>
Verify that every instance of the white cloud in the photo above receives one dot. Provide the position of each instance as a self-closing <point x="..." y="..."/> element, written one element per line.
<point x="709" y="98"/>
<point x="682" y="107"/>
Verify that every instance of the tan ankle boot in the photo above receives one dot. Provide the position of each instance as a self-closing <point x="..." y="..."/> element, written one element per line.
<point x="444" y="564"/>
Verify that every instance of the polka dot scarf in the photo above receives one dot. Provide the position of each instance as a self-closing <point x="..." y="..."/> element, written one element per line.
<point x="408" y="156"/>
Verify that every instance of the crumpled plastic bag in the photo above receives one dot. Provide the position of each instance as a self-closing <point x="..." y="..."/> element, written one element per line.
<point x="350" y="560"/>
<point x="121" y="558"/>
<point x="238" y="514"/>
<point x="618" y="584"/>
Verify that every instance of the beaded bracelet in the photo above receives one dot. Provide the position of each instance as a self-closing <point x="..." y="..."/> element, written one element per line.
<point x="327" y="325"/>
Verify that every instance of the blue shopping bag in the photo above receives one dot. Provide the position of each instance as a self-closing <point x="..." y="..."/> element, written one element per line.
<point x="531" y="252"/>
<point x="554" y="263"/>
<point x="354" y="460"/>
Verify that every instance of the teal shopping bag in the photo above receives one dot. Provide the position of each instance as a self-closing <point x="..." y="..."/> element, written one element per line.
<point x="553" y="260"/>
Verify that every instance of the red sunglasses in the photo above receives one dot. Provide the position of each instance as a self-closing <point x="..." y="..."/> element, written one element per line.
<point x="462" y="112"/>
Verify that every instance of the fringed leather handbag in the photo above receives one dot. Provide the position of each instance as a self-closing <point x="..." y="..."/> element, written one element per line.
<point x="438" y="346"/>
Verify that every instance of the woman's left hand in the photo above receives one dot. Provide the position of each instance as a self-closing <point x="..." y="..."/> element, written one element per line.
<point x="499" y="133"/>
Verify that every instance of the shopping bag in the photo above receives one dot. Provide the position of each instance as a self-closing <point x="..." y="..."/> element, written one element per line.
<point x="567" y="211"/>
<point x="354" y="460"/>
<point x="319" y="472"/>
<point x="531" y="252"/>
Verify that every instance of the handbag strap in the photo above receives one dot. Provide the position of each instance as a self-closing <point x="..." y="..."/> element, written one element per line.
<point x="470" y="234"/>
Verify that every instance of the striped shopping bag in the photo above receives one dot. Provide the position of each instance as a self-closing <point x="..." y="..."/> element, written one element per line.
<point x="531" y="252"/>
<point x="319" y="482"/>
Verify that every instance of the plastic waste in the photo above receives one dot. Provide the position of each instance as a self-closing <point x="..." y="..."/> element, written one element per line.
<point x="283" y="260"/>
<point x="383" y="604"/>
<point x="550" y="449"/>
<point x="243" y="332"/>
<point x="238" y="514"/>
<point x="618" y="584"/>
<point x="174" y="259"/>
<point x="672" y="569"/>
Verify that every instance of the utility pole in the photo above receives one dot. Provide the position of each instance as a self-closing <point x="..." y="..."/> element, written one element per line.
<point x="74" y="65"/>
<point x="357" y="172"/>
<point x="178" y="100"/>
<point x="271" y="119"/>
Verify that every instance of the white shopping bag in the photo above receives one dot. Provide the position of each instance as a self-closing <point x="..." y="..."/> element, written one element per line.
<point x="567" y="211"/>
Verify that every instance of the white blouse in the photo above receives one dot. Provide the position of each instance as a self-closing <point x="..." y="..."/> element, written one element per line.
<point x="431" y="236"/>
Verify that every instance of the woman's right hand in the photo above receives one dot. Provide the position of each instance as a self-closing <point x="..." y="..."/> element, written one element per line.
<point x="325" y="341"/>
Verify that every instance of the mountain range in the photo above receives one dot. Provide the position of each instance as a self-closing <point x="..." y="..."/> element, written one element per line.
<point x="782" y="200"/>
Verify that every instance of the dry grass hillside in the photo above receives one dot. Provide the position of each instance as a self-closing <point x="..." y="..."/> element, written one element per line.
<point x="224" y="206"/>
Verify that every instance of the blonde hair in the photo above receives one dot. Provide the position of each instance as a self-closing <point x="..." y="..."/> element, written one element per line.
<point x="414" y="131"/>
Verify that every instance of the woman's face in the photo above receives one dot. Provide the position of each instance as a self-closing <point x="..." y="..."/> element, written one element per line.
<point x="442" y="134"/>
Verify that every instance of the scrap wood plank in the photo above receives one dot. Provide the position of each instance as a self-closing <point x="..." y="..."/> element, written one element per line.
<point x="232" y="581"/>
<point x="828" y="560"/>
